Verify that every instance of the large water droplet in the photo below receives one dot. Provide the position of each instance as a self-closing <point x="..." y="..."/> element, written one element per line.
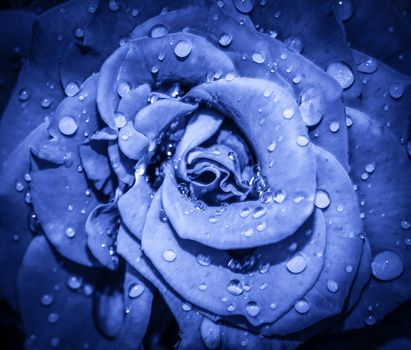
<point x="302" y="306"/>
<point x="235" y="287"/>
<point x="158" y="31"/>
<point x="135" y="290"/>
<point x="297" y="264"/>
<point x="322" y="199"/>
<point x="210" y="334"/>
<point x="169" y="255"/>
<point x="341" y="73"/>
<point x="302" y="140"/>
<point x="67" y="125"/>
<point x="183" y="49"/>
<point x="253" y="309"/>
<point x="312" y="106"/>
<point x="244" y="6"/>
<point x="334" y="126"/>
<point x="386" y="265"/>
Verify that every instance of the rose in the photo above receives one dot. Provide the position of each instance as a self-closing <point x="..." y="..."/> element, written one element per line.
<point x="228" y="190"/>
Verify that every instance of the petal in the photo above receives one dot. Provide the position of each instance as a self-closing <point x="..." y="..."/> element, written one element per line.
<point x="203" y="59"/>
<point x="292" y="169"/>
<point x="168" y="254"/>
<point x="101" y="227"/>
<point x="15" y="211"/>
<point x="386" y="199"/>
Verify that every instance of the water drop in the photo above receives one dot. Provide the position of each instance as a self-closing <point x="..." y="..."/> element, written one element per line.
<point x="369" y="66"/>
<point x="288" y="113"/>
<point x="169" y="255"/>
<point x="341" y="73"/>
<point x="24" y="95"/>
<point x="386" y="265"/>
<point x="45" y="102"/>
<point x="135" y="290"/>
<point x="235" y="287"/>
<point x="158" y="31"/>
<point x="261" y="227"/>
<point x="370" y="167"/>
<point x="258" y="57"/>
<point x="183" y="49"/>
<point x="259" y="213"/>
<point x="302" y="140"/>
<point x="370" y="320"/>
<point x="225" y="39"/>
<point x="253" y="309"/>
<point x="297" y="264"/>
<point x="67" y="125"/>
<point x="120" y="120"/>
<point x="334" y="126"/>
<point x="203" y="287"/>
<point x="244" y="6"/>
<point x="210" y="334"/>
<point x="19" y="186"/>
<point x="70" y="232"/>
<point x="245" y="212"/>
<point x="46" y="300"/>
<point x="248" y="232"/>
<point x="279" y="196"/>
<point x="294" y="44"/>
<point x="344" y="9"/>
<point x="53" y="318"/>
<point x="312" y="106"/>
<point x="302" y="306"/>
<point x="123" y="89"/>
<point x="322" y="199"/>
<point x="332" y="286"/>
<point x="405" y="224"/>
<point x="114" y="5"/>
<point x="396" y="90"/>
<point x="203" y="260"/>
<point x="74" y="282"/>
<point x="186" y="307"/>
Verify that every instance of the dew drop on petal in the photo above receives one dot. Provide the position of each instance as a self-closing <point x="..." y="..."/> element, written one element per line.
<point x="19" y="186"/>
<point x="302" y="306"/>
<point x="261" y="227"/>
<point x="120" y="120"/>
<point x="258" y="57"/>
<point x="135" y="290"/>
<point x="386" y="265"/>
<point x="244" y="6"/>
<point x="123" y="89"/>
<point x="294" y="44"/>
<point x="24" y="95"/>
<point x="259" y="213"/>
<point x="225" y="39"/>
<point x="46" y="299"/>
<point x="405" y="224"/>
<point x="322" y="199"/>
<point x="369" y="66"/>
<point x="70" y="232"/>
<point x="370" y="320"/>
<point x="74" y="282"/>
<point x="302" y="140"/>
<point x="396" y="90"/>
<point x="45" y="102"/>
<point x="202" y="287"/>
<point x="210" y="334"/>
<point x="158" y="31"/>
<point x="344" y="9"/>
<point x="334" y="126"/>
<point x="253" y="309"/>
<point x="288" y="113"/>
<point x="235" y="287"/>
<point x="341" y="73"/>
<point x="67" y="125"/>
<point x="169" y="255"/>
<point x="279" y="196"/>
<point x="114" y="5"/>
<point x="312" y="106"/>
<point x="203" y="260"/>
<point x="332" y="286"/>
<point x="297" y="264"/>
<point x="53" y="317"/>
<point x="245" y="212"/>
<point x="183" y="49"/>
<point x="248" y="232"/>
<point x="370" y="167"/>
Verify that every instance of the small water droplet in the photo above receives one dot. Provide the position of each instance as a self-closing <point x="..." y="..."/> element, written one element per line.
<point x="203" y="260"/>
<point x="253" y="309"/>
<point x="169" y="255"/>
<point x="235" y="287"/>
<point x="294" y="44"/>
<point x="114" y="5"/>
<point x="46" y="300"/>
<point x="332" y="286"/>
<point x="186" y="307"/>
<point x="70" y="232"/>
<point x="370" y="167"/>
<point x="297" y="264"/>
<point x="405" y="224"/>
<point x="53" y="317"/>
<point x="19" y="186"/>
<point x="322" y="199"/>
<point x="183" y="49"/>
<point x="370" y="320"/>
<point x="279" y="196"/>
<point x="258" y="57"/>
<point x="120" y="120"/>
<point x="261" y="227"/>
<point x="369" y="66"/>
<point x="341" y="73"/>
<point x="396" y="90"/>
<point x="202" y="287"/>
<point x="244" y="6"/>
<point x="302" y="140"/>
<point x="386" y="265"/>
<point x="259" y="213"/>
<point x="135" y="290"/>
<point x="24" y="95"/>
<point x="248" y="232"/>
<point x="302" y="306"/>
<point x="288" y="113"/>
<point x="225" y="39"/>
<point x="45" y="102"/>
<point x="334" y="126"/>
<point x="245" y="212"/>
<point x="74" y="282"/>
<point x="67" y="125"/>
